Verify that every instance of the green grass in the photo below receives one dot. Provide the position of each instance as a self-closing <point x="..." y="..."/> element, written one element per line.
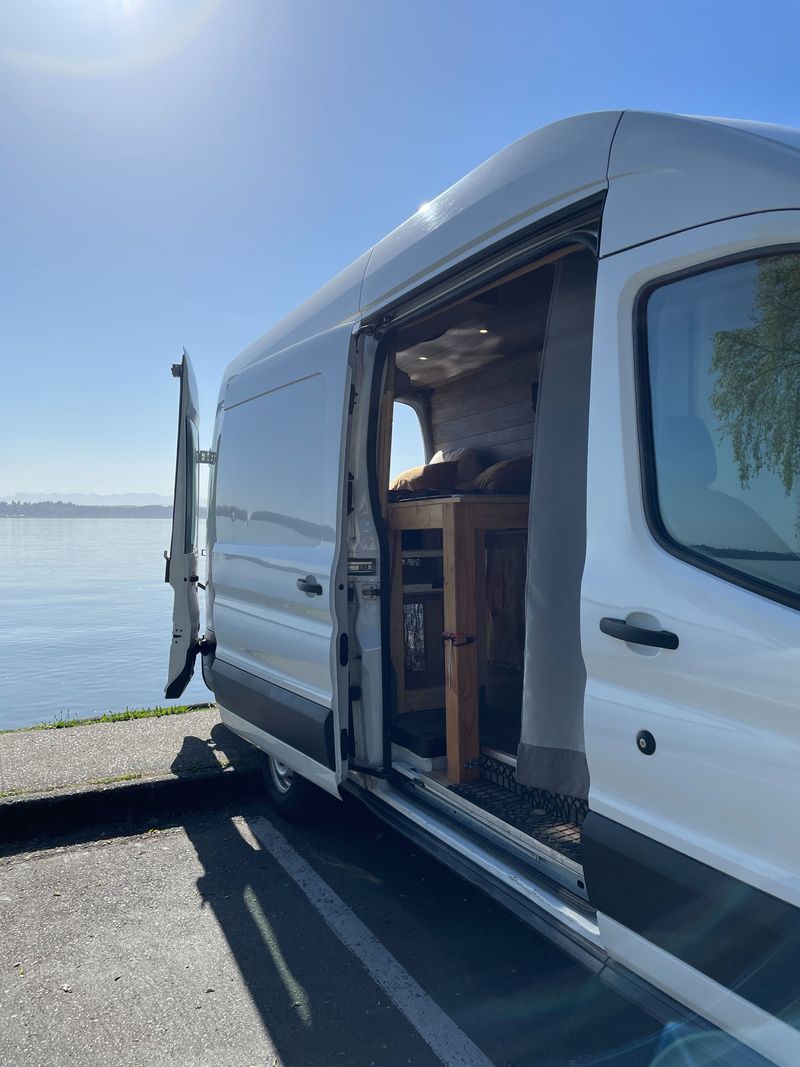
<point x="111" y="779"/>
<point x="62" y="721"/>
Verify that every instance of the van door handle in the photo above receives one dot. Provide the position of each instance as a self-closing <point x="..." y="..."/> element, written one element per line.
<point x="309" y="585"/>
<point x="638" y="635"/>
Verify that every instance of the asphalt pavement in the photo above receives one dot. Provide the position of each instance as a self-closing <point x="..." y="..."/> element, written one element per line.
<point x="233" y="938"/>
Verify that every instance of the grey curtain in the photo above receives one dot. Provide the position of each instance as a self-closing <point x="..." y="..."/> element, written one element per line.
<point x="552" y="753"/>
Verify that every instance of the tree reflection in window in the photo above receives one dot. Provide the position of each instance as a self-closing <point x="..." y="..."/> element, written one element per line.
<point x="756" y="369"/>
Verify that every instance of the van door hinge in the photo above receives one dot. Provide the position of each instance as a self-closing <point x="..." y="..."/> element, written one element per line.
<point x="207" y="456"/>
<point x="353" y="396"/>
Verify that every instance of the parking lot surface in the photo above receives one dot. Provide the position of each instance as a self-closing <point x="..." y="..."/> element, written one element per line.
<point x="236" y="939"/>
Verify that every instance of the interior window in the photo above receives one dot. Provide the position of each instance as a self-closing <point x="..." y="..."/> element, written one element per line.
<point x="408" y="445"/>
<point x="724" y="372"/>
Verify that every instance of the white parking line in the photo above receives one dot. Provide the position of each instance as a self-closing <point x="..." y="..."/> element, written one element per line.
<point x="434" y="1026"/>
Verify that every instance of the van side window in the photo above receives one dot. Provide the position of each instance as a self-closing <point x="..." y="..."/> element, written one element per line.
<point x="408" y="445"/>
<point x="269" y="488"/>
<point x="722" y="434"/>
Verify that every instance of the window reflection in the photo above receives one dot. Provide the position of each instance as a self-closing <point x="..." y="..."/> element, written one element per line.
<point x="724" y="358"/>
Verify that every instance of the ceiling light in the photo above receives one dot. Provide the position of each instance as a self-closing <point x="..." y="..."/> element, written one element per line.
<point x="423" y="358"/>
<point x="482" y="330"/>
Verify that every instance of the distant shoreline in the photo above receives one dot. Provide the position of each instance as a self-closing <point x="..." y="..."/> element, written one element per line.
<point x="61" y="509"/>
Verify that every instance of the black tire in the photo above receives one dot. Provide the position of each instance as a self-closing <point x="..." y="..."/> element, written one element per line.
<point x="294" y="798"/>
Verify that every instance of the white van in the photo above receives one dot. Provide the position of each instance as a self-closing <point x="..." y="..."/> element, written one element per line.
<point x="563" y="652"/>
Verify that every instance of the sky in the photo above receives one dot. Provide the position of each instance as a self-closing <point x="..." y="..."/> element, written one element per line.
<point x="184" y="172"/>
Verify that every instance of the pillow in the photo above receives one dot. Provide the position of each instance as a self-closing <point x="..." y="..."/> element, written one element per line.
<point x="507" y="476"/>
<point x="469" y="462"/>
<point x="442" y="475"/>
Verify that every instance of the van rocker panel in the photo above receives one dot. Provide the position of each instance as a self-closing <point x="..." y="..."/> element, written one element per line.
<point x="740" y="936"/>
<point x="299" y="723"/>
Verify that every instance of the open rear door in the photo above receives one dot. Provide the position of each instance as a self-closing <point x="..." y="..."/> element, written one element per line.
<point x="278" y="548"/>
<point x="181" y="572"/>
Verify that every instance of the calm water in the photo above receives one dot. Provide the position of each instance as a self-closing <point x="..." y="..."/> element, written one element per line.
<point x="85" y="618"/>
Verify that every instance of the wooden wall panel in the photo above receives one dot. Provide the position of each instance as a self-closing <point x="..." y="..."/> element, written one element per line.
<point x="490" y="410"/>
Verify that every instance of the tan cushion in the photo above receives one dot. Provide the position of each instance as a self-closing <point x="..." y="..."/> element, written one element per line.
<point x="507" y="476"/>
<point x="431" y="476"/>
<point x="469" y="462"/>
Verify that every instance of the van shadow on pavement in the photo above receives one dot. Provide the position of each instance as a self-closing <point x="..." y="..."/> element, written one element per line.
<point x="317" y="1003"/>
<point x="518" y="997"/>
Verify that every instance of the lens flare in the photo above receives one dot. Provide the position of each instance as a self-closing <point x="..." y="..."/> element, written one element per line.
<point x="126" y="51"/>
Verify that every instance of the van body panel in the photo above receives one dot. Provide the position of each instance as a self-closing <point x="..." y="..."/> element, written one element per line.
<point x="318" y="773"/>
<point x="772" y="1039"/>
<point x="672" y="172"/>
<point x="540" y="174"/>
<point x="740" y="937"/>
<point x="302" y="724"/>
<point x="278" y="546"/>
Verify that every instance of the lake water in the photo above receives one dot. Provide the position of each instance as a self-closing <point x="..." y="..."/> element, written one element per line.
<point x="85" y="618"/>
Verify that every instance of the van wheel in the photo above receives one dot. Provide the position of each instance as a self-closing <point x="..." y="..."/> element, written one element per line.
<point x="293" y="797"/>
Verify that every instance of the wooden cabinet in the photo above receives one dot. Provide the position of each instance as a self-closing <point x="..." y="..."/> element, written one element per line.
<point x="463" y="521"/>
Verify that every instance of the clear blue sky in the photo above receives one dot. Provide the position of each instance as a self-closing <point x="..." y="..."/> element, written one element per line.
<point x="183" y="172"/>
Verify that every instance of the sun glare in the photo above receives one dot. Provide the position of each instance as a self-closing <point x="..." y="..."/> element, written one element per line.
<point x="146" y="32"/>
<point x="129" y="8"/>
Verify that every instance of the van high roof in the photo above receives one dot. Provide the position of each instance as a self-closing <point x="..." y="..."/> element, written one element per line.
<point x="661" y="173"/>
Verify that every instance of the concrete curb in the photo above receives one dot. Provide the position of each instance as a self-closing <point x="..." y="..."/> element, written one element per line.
<point x="137" y="804"/>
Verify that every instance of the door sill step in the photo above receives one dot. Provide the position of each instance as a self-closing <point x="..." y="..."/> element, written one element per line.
<point x="541" y="902"/>
<point x="558" y="869"/>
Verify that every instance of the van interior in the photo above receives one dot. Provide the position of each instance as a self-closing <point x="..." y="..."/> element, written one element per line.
<point x="459" y="541"/>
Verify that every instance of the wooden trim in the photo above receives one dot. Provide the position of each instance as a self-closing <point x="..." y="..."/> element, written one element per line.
<point x="460" y="657"/>
<point x="416" y="515"/>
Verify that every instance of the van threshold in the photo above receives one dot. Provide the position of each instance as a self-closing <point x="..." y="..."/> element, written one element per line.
<point x="552" y="865"/>
<point x="541" y="905"/>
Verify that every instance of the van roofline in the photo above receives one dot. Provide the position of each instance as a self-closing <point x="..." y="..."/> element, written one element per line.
<point x="661" y="173"/>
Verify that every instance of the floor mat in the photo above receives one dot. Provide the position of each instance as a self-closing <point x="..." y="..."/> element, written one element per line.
<point x="564" y="837"/>
<point x="553" y="820"/>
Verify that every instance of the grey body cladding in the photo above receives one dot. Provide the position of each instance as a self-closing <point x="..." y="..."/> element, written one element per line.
<point x="298" y="722"/>
<point x="737" y="935"/>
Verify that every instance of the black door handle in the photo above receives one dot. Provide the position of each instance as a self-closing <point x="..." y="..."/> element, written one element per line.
<point x="309" y="585"/>
<point x="638" y="635"/>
